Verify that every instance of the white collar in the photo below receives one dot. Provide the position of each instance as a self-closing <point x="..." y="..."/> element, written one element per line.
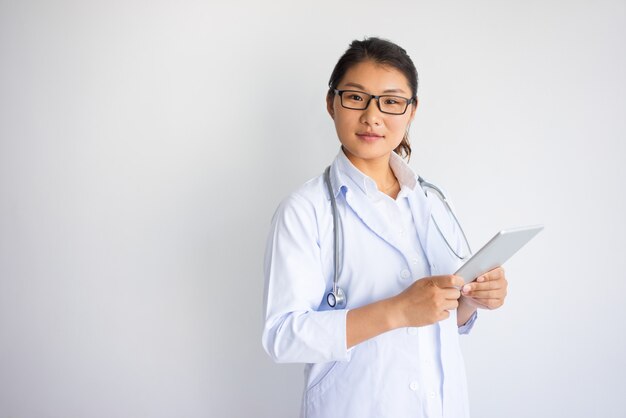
<point x="405" y="175"/>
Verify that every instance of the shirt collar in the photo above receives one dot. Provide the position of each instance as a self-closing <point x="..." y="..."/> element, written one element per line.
<point x="405" y="175"/>
<point x="352" y="176"/>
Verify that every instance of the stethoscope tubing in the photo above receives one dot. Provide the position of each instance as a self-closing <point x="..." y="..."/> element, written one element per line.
<point x="337" y="297"/>
<point x="427" y="185"/>
<point x="333" y="203"/>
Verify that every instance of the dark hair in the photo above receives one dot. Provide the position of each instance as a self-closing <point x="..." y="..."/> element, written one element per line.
<point x="383" y="52"/>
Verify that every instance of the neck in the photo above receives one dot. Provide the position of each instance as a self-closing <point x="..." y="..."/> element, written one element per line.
<point x="378" y="169"/>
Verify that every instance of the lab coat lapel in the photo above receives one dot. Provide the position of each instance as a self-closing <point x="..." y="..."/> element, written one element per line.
<point x="361" y="205"/>
<point x="421" y="208"/>
<point x="440" y="259"/>
<point x="365" y="211"/>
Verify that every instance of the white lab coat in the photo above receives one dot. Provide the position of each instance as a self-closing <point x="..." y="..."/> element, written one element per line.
<point x="373" y="379"/>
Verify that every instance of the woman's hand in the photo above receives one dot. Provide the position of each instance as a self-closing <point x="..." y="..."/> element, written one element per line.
<point x="427" y="301"/>
<point x="486" y="292"/>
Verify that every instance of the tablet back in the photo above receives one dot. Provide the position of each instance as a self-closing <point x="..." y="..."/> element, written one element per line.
<point x="496" y="251"/>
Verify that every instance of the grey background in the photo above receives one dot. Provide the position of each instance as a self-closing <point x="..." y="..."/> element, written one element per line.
<point x="144" y="146"/>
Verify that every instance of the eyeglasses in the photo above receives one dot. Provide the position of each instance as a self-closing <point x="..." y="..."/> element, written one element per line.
<point x="358" y="100"/>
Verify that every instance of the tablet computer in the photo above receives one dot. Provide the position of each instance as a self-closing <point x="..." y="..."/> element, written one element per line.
<point x="496" y="251"/>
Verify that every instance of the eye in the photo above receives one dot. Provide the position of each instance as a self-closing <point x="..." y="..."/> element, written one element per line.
<point x="356" y="97"/>
<point x="391" y="101"/>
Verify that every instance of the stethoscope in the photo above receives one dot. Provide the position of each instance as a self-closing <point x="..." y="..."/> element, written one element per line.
<point x="337" y="297"/>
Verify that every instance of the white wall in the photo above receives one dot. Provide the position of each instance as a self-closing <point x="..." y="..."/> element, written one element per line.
<point x="145" y="145"/>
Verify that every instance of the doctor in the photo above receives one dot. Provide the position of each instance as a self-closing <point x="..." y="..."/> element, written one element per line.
<point x="393" y="349"/>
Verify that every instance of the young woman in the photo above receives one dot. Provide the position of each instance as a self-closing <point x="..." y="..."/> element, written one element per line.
<point x="390" y="349"/>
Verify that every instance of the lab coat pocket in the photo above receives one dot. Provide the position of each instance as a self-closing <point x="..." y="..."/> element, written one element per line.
<point x="349" y="389"/>
<point x="321" y="385"/>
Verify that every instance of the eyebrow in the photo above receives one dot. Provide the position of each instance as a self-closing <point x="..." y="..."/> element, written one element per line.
<point x="358" y="86"/>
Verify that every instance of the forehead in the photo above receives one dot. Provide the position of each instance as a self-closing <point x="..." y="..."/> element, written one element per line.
<point x="376" y="78"/>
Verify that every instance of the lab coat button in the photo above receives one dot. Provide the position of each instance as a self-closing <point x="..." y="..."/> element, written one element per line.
<point x="405" y="274"/>
<point x="431" y="394"/>
<point x="413" y="386"/>
<point x="415" y="261"/>
<point x="412" y="331"/>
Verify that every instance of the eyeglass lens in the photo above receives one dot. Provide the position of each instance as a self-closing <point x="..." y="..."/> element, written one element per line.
<point x="359" y="101"/>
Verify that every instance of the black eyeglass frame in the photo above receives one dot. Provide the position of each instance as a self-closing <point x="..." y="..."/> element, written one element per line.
<point x="372" y="96"/>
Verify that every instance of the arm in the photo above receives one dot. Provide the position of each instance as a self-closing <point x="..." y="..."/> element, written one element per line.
<point x="464" y="312"/>
<point x="421" y="304"/>
<point x="425" y="302"/>
<point x="295" y="330"/>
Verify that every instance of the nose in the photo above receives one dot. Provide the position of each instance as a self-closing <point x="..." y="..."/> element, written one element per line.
<point x="371" y="114"/>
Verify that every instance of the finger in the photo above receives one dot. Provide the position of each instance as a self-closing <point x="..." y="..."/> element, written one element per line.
<point x="444" y="282"/>
<point x="450" y="305"/>
<point x="485" y="285"/>
<point x="451" y="293"/>
<point x="444" y="315"/>
<point x="472" y="287"/>
<point x="495" y="274"/>
<point x="490" y="303"/>
<point x="487" y="294"/>
<point x="496" y="286"/>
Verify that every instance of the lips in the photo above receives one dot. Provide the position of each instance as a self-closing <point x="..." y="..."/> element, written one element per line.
<point x="369" y="136"/>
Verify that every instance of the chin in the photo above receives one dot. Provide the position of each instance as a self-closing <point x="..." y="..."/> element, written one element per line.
<point x="367" y="151"/>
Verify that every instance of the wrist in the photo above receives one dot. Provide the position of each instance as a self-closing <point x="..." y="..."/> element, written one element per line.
<point x="465" y="311"/>
<point x="467" y="303"/>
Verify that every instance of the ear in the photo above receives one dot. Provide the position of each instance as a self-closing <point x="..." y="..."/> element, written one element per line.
<point x="330" y="108"/>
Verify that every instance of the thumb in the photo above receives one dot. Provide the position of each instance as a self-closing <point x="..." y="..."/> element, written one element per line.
<point x="446" y="282"/>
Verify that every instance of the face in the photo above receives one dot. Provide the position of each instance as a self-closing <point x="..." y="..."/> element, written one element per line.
<point x="369" y="135"/>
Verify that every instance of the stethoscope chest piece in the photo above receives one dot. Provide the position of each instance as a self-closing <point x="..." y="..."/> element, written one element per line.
<point x="336" y="298"/>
